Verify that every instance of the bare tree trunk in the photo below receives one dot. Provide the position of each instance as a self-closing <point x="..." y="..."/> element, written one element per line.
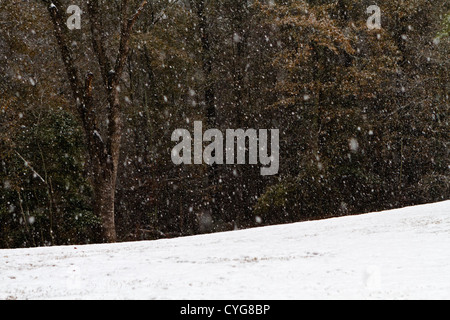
<point x="104" y="198"/>
<point x="200" y="9"/>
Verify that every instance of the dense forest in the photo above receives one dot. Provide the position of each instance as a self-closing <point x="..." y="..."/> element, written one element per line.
<point x="87" y="113"/>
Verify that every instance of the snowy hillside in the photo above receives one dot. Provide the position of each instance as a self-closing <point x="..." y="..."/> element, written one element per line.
<point x="399" y="254"/>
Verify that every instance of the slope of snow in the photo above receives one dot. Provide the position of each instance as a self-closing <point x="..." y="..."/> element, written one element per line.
<point x="399" y="254"/>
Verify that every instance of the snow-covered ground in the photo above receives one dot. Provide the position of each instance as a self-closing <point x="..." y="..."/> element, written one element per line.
<point x="399" y="254"/>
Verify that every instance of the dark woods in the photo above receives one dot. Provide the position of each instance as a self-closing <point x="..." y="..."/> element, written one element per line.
<point x="87" y="115"/>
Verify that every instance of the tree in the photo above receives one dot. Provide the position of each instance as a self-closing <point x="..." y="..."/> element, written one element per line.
<point x="367" y="105"/>
<point x="103" y="146"/>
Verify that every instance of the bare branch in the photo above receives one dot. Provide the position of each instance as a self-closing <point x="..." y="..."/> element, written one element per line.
<point x="56" y="13"/>
<point x="125" y="36"/>
<point x="98" y="39"/>
<point x="163" y="12"/>
<point x="27" y="164"/>
<point x="138" y="12"/>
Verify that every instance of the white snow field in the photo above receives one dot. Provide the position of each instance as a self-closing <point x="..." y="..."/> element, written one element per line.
<point x="398" y="254"/>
